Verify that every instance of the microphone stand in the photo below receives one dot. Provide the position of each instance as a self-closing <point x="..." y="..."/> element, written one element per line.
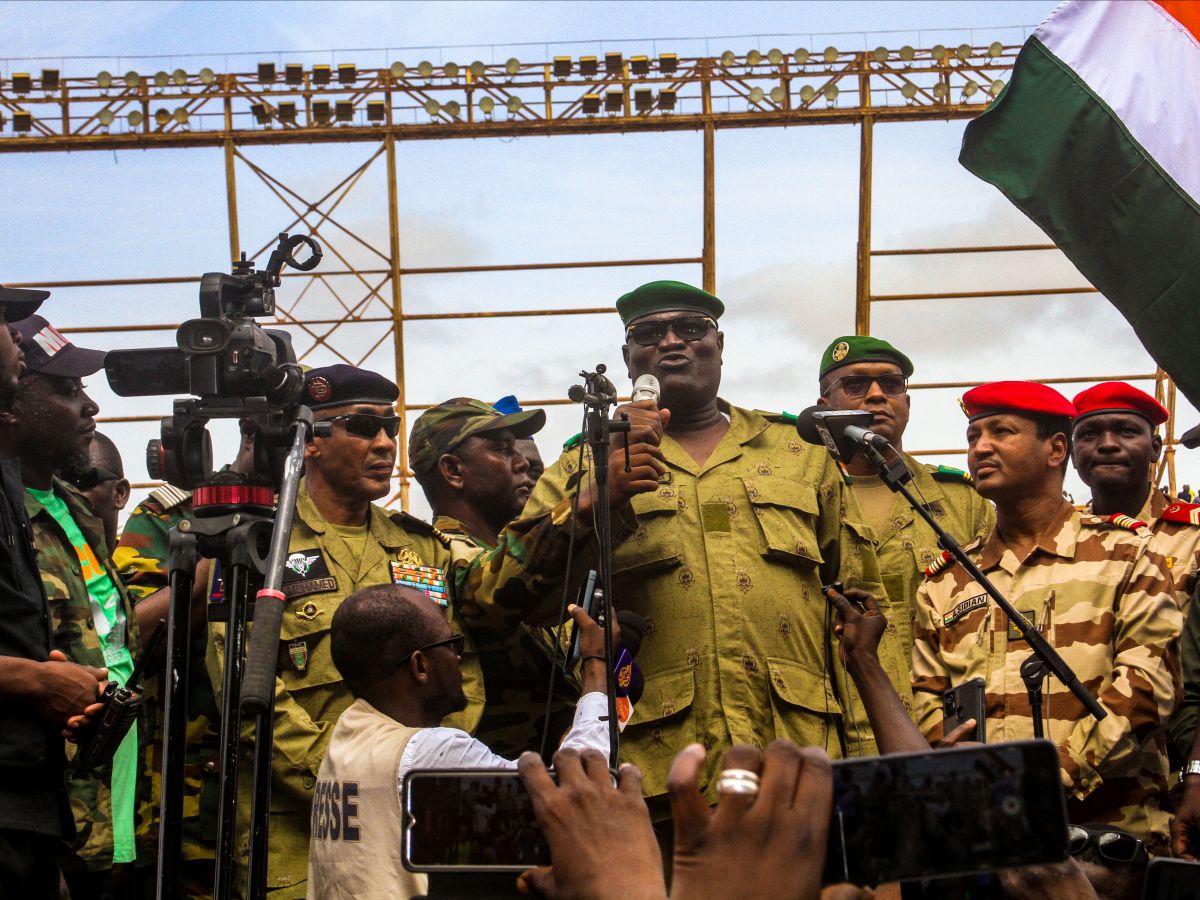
<point x="1045" y="659"/>
<point x="597" y="394"/>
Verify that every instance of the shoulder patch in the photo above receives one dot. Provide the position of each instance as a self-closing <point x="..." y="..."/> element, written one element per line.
<point x="1188" y="513"/>
<point x="940" y="564"/>
<point x="573" y="441"/>
<point x="952" y="475"/>
<point x="408" y="522"/>
<point x="168" y="496"/>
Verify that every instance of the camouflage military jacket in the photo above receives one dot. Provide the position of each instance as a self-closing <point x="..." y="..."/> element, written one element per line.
<point x="1102" y="595"/>
<point x="141" y="560"/>
<point x="74" y="633"/>
<point x="1176" y="527"/>
<point x="908" y="547"/>
<point x="726" y="567"/>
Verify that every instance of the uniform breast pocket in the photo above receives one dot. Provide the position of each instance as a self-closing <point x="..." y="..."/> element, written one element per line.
<point x="787" y="519"/>
<point x="803" y="703"/>
<point x="655" y="544"/>
<point x="661" y="726"/>
<point x="305" y="661"/>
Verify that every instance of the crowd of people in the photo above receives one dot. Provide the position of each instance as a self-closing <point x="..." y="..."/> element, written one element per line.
<point x="796" y="611"/>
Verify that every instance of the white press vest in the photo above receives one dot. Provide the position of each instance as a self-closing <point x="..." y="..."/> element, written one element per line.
<point x="354" y="852"/>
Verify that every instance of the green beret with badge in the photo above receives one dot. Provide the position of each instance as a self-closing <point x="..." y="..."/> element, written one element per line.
<point x="862" y="348"/>
<point x="667" y="296"/>
<point x="443" y="427"/>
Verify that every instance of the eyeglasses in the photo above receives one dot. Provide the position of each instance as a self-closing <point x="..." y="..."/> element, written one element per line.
<point x="857" y="386"/>
<point x="689" y="328"/>
<point x="87" y="480"/>
<point x="1114" y="846"/>
<point x="367" y="425"/>
<point x="454" y="642"/>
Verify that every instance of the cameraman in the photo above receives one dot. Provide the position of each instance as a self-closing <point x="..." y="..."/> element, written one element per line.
<point x="41" y="692"/>
<point x="402" y="662"/>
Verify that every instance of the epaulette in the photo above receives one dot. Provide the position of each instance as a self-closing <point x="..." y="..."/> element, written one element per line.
<point x="409" y="522"/>
<point x="952" y="475"/>
<point x="1188" y="513"/>
<point x="1120" y="520"/>
<point x="168" y="496"/>
<point x="941" y="563"/>
<point x="573" y="441"/>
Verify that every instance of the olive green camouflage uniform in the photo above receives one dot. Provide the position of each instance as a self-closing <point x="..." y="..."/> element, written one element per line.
<point x="491" y="589"/>
<point x="141" y="560"/>
<point x="908" y="546"/>
<point x="74" y="633"/>
<point x="726" y="568"/>
<point x="1102" y="596"/>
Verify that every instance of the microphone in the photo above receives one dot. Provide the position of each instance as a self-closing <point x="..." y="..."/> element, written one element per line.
<point x="630" y="683"/>
<point x="842" y="431"/>
<point x="646" y="388"/>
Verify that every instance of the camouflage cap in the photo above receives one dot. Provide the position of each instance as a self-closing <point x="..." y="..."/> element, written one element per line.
<point x="442" y="428"/>
<point x="860" y="348"/>
<point x="663" y="296"/>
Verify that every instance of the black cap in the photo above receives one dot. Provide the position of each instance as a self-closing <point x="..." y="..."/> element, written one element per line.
<point x="48" y="352"/>
<point x="20" y="303"/>
<point x="342" y="385"/>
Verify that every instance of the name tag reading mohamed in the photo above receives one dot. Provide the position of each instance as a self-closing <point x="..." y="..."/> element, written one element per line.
<point x="426" y="579"/>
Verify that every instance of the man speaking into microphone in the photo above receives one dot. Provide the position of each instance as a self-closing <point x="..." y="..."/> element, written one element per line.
<point x="727" y="560"/>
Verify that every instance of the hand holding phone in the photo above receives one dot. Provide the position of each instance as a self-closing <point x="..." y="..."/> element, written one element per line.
<point x="965" y="702"/>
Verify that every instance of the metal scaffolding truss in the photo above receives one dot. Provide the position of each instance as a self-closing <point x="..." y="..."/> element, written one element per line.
<point x="612" y="93"/>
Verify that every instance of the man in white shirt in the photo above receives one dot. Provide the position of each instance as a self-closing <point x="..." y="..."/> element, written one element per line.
<point x="400" y="659"/>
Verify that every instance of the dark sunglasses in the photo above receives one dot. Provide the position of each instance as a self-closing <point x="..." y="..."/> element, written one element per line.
<point x="1112" y="845"/>
<point x="454" y="642"/>
<point x="688" y="328"/>
<point x="367" y="425"/>
<point x="85" y="481"/>
<point x="857" y="386"/>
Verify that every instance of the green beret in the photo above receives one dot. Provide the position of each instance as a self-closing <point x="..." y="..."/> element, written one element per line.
<point x="661" y="296"/>
<point x="860" y="348"/>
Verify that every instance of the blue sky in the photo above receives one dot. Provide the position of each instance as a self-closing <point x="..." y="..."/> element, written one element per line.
<point x="786" y="205"/>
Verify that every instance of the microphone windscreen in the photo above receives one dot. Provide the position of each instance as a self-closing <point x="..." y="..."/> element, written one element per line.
<point x="633" y="629"/>
<point x="646" y="388"/>
<point x="806" y="425"/>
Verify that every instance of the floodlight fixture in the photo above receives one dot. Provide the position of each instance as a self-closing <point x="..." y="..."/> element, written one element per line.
<point x="425" y="68"/>
<point x="132" y="79"/>
<point x="614" y="100"/>
<point x="831" y="92"/>
<point x="591" y="104"/>
<point x="343" y="111"/>
<point x="639" y="65"/>
<point x="774" y="56"/>
<point x="588" y="66"/>
<point x="666" y="100"/>
<point x="477" y="69"/>
<point x="800" y="56"/>
<point x="347" y="73"/>
<point x="778" y="95"/>
<point x="995" y="49"/>
<point x="753" y="58"/>
<point x="162" y="117"/>
<point x="728" y="58"/>
<point x="562" y="66"/>
<point x="266" y="73"/>
<point x="161" y="79"/>
<point x="941" y="90"/>
<point x="486" y="105"/>
<point x="321" y="112"/>
<point x="181" y="115"/>
<point x="398" y="69"/>
<point x="907" y="53"/>
<point x="104" y="80"/>
<point x="286" y="113"/>
<point x="450" y="70"/>
<point x="830" y="55"/>
<point x="938" y="52"/>
<point x="432" y="107"/>
<point x="376" y="111"/>
<point x="106" y="117"/>
<point x="261" y="113"/>
<point x="180" y="77"/>
<point x="643" y="99"/>
<point x="453" y="109"/>
<point x="908" y="90"/>
<point x="514" y="104"/>
<point x="293" y="74"/>
<point x="50" y="79"/>
<point x="996" y="87"/>
<point x="321" y="74"/>
<point x="964" y="51"/>
<point x="807" y="93"/>
<point x="22" y="121"/>
<point x="22" y="82"/>
<point x="880" y="54"/>
<point x="512" y="65"/>
<point x="614" y="61"/>
<point x="756" y="95"/>
<point x="136" y="118"/>
<point x="970" y="89"/>
<point x="207" y="76"/>
<point x="668" y="63"/>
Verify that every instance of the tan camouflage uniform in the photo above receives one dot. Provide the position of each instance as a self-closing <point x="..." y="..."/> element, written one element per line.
<point x="74" y="633"/>
<point x="141" y="560"/>
<point x="1103" y="597"/>
<point x="726" y="567"/>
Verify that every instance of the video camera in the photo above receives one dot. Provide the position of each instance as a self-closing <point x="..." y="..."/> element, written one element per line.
<point x="232" y="367"/>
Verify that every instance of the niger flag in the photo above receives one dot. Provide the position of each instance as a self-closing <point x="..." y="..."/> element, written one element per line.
<point x="1097" y="139"/>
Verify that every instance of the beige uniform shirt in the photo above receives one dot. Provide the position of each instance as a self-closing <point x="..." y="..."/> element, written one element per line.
<point x="1103" y="597"/>
<point x="726" y="566"/>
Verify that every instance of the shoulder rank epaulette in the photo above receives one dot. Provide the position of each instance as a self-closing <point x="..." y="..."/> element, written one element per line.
<point x="168" y="496"/>
<point x="572" y="442"/>
<point x="1129" y="523"/>
<point x="409" y="522"/>
<point x="1179" y="511"/>
<point x="939" y="564"/>
<point x="951" y="474"/>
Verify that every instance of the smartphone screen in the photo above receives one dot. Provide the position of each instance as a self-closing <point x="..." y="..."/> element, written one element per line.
<point x="946" y="812"/>
<point x="470" y="820"/>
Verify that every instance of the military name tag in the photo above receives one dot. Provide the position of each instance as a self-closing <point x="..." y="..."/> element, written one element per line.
<point x="306" y="572"/>
<point x="426" y="579"/>
<point x="967" y="606"/>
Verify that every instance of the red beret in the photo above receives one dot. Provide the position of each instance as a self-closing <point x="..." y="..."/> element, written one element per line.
<point x="1119" y="397"/>
<point x="1020" y="397"/>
